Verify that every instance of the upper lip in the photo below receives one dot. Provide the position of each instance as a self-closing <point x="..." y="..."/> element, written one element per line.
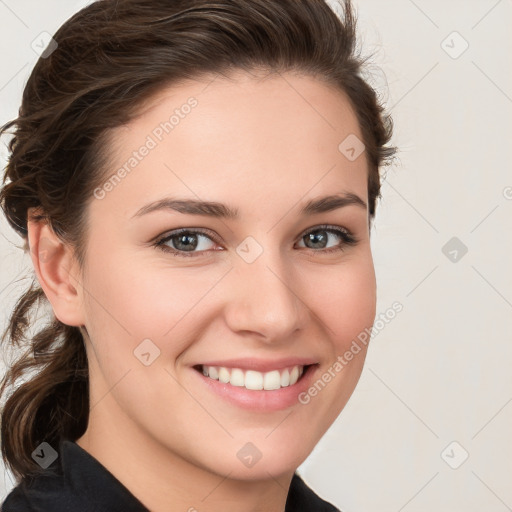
<point x="261" y="365"/>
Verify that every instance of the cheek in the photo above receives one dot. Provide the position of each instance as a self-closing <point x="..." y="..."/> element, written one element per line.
<point x="345" y="299"/>
<point x="131" y="298"/>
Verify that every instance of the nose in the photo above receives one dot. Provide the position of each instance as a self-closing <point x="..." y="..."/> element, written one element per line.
<point x="263" y="299"/>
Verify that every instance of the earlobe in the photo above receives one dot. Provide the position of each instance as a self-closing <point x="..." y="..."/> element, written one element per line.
<point x="56" y="271"/>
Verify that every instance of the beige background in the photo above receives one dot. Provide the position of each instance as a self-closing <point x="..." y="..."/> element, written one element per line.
<point x="437" y="386"/>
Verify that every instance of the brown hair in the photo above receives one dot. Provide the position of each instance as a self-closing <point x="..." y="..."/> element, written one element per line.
<point x="111" y="57"/>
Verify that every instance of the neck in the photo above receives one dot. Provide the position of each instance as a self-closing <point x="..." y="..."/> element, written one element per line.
<point x="164" y="480"/>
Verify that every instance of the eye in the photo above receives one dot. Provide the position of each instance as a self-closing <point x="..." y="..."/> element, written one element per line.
<point x="318" y="238"/>
<point x="184" y="242"/>
<point x="189" y="242"/>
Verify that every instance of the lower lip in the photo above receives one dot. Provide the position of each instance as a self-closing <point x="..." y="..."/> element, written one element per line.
<point x="261" y="400"/>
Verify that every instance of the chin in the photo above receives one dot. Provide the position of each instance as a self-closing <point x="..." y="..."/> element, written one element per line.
<point x="264" y="460"/>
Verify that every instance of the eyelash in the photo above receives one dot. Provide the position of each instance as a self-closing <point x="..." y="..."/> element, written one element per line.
<point x="344" y="234"/>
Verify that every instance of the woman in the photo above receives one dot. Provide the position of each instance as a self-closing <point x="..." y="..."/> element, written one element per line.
<point x="195" y="181"/>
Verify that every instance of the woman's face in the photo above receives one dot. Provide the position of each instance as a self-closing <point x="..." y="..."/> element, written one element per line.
<point x="257" y="291"/>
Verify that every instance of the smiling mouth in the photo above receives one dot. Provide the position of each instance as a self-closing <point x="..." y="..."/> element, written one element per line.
<point x="254" y="380"/>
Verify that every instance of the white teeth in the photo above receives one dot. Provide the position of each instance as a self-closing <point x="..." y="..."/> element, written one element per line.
<point x="212" y="372"/>
<point x="237" y="377"/>
<point x="223" y="375"/>
<point x="294" y="375"/>
<point x="254" y="380"/>
<point x="272" y="380"/>
<point x="285" y="378"/>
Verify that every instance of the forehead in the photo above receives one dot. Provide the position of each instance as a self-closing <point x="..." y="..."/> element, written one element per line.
<point x="246" y="134"/>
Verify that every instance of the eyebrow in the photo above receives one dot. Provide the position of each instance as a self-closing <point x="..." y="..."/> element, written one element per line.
<point x="220" y="210"/>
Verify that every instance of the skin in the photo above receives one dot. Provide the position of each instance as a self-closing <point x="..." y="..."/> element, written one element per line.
<point x="264" y="146"/>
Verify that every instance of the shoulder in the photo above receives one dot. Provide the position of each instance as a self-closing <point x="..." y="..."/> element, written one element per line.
<point x="33" y="495"/>
<point x="17" y="501"/>
<point x="76" y="482"/>
<point x="48" y="490"/>
<point x="303" y="499"/>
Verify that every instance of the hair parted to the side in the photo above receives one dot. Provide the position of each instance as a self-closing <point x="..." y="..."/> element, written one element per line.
<point x="111" y="57"/>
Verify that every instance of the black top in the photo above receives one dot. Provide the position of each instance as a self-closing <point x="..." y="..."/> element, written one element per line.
<point x="78" y="482"/>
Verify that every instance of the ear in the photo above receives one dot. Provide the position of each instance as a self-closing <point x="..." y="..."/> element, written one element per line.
<point x="57" y="271"/>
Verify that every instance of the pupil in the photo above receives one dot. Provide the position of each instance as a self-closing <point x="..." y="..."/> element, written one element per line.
<point x="317" y="236"/>
<point x="182" y="240"/>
